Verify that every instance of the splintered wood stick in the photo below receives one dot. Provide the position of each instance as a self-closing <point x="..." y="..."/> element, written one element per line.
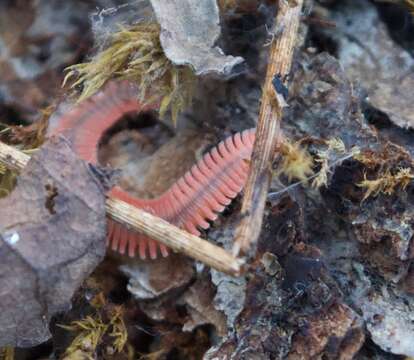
<point x="173" y="237"/>
<point x="150" y="225"/>
<point x="268" y="133"/>
<point x="13" y="158"/>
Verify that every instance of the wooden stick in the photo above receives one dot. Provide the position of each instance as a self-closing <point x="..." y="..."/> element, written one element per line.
<point x="268" y="128"/>
<point x="13" y="158"/>
<point x="173" y="237"/>
<point x="150" y="225"/>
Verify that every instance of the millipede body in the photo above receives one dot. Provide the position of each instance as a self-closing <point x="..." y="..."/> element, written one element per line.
<point x="192" y="201"/>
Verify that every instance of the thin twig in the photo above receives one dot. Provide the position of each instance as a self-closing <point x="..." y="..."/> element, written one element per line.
<point x="268" y="128"/>
<point x="173" y="237"/>
<point x="150" y="225"/>
<point x="13" y="158"/>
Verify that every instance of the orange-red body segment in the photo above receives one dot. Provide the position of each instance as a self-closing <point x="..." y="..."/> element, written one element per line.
<point x="192" y="201"/>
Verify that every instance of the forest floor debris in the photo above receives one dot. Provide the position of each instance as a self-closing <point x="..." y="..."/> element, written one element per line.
<point x="333" y="274"/>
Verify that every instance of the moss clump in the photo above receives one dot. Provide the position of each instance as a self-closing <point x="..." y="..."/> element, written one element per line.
<point x="104" y="331"/>
<point x="388" y="169"/>
<point x="90" y="332"/>
<point x="296" y="163"/>
<point x="387" y="182"/>
<point x="135" y="54"/>
<point x="330" y="157"/>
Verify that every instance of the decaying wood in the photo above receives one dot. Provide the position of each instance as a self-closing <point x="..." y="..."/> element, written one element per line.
<point x="268" y="128"/>
<point x="150" y="225"/>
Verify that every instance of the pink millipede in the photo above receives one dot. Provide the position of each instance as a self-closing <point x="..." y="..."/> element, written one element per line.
<point x="196" y="198"/>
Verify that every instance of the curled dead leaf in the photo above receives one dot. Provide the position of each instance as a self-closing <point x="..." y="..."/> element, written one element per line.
<point x="52" y="236"/>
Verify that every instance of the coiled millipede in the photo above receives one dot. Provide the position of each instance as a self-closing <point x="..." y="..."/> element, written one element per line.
<point x="196" y="198"/>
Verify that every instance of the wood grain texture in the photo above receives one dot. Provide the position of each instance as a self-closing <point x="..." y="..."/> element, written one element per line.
<point x="268" y="133"/>
<point x="13" y="158"/>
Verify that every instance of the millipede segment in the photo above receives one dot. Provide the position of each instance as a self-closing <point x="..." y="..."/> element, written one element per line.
<point x="190" y="203"/>
<point x="211" y="184"/>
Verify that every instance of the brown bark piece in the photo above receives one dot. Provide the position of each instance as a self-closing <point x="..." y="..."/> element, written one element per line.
<point x="335" y="334"/>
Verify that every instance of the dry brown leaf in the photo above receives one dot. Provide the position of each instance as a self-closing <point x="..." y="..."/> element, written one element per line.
<point x="52" y="235"/>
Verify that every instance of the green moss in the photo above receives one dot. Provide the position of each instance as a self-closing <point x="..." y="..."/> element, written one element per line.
<point x="136" y="54"/>
<point x="101" y="332"/>
<point x="387" y="183"/>
<point x="297" y="163"/>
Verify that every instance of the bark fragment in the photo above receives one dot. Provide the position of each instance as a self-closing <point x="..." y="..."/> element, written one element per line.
<point x="337" y="333"/>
